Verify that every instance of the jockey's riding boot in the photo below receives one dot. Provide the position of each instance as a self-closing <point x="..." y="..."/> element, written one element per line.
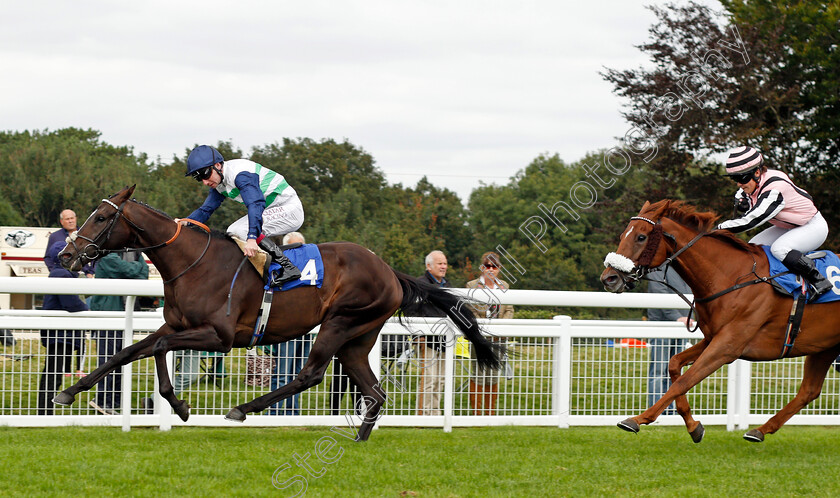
<point x="289" y="271"/>
<point x="806" y="268"/>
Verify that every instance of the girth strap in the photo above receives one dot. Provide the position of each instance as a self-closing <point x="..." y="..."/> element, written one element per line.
<point x="794" y="323"/>
<point x="262" y="318"/>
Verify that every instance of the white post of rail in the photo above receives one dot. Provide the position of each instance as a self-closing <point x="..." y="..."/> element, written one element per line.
<point x="449" y="377"/>
<point x="128" y="340"/>
<point x="732" y="394"/>
<point x="562" y="371"/>
<point x="745" y="377"/>
<point x="375" y="360"/>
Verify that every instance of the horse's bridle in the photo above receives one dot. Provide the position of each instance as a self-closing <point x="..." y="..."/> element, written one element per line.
<point x="93" y="250"/>
<point x="633" y="271"/>
<point x="94" y="245"/>
<point x="641" y="268"/>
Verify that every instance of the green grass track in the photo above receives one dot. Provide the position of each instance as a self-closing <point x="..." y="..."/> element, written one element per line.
<point x="474" y="462"/>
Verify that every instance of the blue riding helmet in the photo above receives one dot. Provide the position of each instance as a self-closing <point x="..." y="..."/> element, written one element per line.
<point x="202" y="157"/>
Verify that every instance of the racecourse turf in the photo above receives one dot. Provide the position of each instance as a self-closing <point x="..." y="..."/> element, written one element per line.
<point x="500" y="461"/>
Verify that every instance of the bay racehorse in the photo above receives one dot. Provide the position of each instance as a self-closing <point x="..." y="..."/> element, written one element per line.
<point x="207" y="307"/>
<point x="748" y="322"/>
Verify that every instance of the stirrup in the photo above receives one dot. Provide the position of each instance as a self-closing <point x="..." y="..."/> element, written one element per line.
<point x="821" y="287"/>
<point x="284" y="274"/>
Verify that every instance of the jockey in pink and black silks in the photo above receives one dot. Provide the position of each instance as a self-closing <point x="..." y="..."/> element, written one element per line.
<point x="273" y="205"/>
<point x="769" y="196"/>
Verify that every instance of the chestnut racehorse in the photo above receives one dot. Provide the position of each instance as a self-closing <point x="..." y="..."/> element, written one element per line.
<point x="210" y="305"/>
<point x="747" y="323"/>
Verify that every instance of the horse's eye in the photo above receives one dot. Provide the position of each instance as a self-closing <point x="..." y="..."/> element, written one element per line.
<point x="641" y="237"/>
<point x="100" y="218"/>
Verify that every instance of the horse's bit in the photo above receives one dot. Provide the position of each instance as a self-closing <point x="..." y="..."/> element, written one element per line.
<point x="97" y="252"/>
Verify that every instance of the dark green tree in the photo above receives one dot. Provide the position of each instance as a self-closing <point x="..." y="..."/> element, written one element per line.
<point x="429" y="218"/>
<point x="568" y="257"/>
<point x="9" y="216"/>
<point x="762" y="73"/>
<point x="46" y="172"/>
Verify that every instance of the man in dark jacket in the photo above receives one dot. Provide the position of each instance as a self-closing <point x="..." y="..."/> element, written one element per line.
<point x="661" y="350"/>
<point x="67" y="219"/>
<point x="62" y="345"/>
<point x="430" y="349"/>
<point x="108" y="342"/>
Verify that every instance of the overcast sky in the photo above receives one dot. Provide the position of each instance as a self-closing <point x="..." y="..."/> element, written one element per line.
<point x="459" y="91"/>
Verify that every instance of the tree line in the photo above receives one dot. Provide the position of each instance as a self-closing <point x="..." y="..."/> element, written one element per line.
<point x="759" y="73"/>
<point x="345" y="196"/>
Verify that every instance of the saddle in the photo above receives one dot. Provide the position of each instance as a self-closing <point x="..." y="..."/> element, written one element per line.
<point x="260" y="260"/>
<point x="789" y="284"/>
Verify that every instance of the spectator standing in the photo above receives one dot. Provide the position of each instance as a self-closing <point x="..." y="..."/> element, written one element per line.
<point x="61" y="345"/>
<point x="661" y="350"/>
<point x="129" y="265"/>
<point x="291" y="355"/>
<point x="430" y="349"/>
<point x="340" y="384"/>
<point x="67" y="219"/>
<point x="484" y="382"/>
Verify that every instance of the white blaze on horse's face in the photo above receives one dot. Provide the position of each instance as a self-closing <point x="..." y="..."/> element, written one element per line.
<point x="629" y="232"/>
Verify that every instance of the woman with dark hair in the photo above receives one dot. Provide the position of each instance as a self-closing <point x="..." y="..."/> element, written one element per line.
<point x="484" y="382"/>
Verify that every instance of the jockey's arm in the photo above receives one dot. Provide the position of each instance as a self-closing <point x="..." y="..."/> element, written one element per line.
<point x="213" y="201"/>
<point x="249" y="188"/>
<point x="767" y="206"/>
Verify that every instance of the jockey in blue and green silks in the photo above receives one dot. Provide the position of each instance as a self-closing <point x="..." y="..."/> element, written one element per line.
<point x="273" y="205"/>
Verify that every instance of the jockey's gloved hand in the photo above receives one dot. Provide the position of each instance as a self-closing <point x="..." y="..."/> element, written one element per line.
<point x="742" y="205"/>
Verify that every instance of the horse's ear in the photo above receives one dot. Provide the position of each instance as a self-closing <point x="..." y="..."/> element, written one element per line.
<point x="125" y="193"/>
<point x="644" y="208"/>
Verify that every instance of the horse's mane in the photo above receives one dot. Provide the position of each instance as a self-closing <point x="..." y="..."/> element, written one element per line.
<point x="213" y="233"/>
<point x="688" y="216"/>
<point x="158" y="211"/>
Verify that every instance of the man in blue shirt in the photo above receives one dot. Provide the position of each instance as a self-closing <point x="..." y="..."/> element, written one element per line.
<point x="661" y="350"/>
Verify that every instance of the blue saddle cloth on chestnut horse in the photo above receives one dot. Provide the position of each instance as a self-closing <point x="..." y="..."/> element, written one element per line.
<point x="828" y="265"/>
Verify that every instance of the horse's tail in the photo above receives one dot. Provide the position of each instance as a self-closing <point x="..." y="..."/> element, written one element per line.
<point x="416" y="292"/>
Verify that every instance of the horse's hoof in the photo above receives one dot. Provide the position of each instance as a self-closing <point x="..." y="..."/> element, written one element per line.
<point x="629" y="425"/>
<point x="64" y="399"/>
<point x="183" y="410"/>
<point x="754" y="436"/>
<point x="698" y="433"/>
<point x="236" y="415"/>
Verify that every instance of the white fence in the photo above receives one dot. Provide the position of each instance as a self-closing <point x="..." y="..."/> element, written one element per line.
<point x="561" y="372"/>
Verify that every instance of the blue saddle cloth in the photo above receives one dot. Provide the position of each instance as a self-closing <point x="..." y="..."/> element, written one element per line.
<point x="308" y="258"/>
<point x="828" y="266"/>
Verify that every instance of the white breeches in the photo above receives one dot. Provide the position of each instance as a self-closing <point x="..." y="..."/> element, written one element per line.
<point x="276" y="220"/>
<point x="804" y="239"/>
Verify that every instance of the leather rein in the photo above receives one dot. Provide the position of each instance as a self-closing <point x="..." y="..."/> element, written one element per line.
<point x="93" y="250"/>
<point x="642" y="268"/>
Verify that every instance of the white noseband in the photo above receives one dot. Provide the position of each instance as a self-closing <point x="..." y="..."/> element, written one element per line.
<point x="619" y="262"/>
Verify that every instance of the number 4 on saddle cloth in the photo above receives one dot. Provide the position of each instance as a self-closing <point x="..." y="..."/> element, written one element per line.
<point x="828" y="265"/>
<point x="306" y="257"/>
